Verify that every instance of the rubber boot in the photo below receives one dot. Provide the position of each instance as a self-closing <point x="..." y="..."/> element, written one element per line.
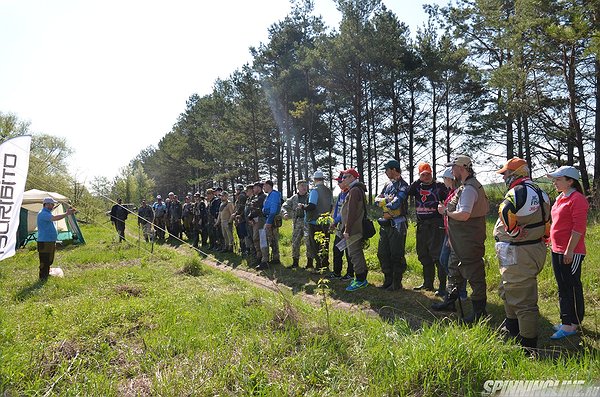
<point x="309" y="263"/>
<point x="387" y="281"/>
<point x="529" y="345"/>
<point x="448" y="304"/>
<point x="442" y="276"/>
<point x="396" y="283"/>
<point x="478" y="312"/>
<point x="295" y="262"/>
<point x="511" y="327"/>
<point x="428" y="276"/>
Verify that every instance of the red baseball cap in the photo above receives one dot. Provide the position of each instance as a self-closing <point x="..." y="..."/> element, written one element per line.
<point x="352" y="172"/>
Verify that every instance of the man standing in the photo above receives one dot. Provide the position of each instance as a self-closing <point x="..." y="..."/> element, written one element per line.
<point x="187" y="216"/>
<point x="292" y="209"/>
<point x="257" y="220"/>
<point x="199" y="220"/>
<point x="214" y="203"/>
<point x="430" y="225"/>
<point x="224" y="221"/>
<point x="392" y="234"/>
<point x="47" y="235"/>
<point x="320" y="201"/>
<point x="466" y="231"/>
<point x="271" y="209"/>
<point x="160" y="217"/>
<point x="523" y="223"/>
<point x="174" y="212"/>
<point x="118" y="215"/>
<point x="240" y="218"/>
<point x="338" y="229"/>
<point x="250" y="251"/>
<point x="353" y="211"/>
<point x="145" y="218"/>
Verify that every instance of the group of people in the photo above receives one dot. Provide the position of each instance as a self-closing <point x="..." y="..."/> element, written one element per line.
<point x="526" y="225"/>
<point x="450" y="234"/>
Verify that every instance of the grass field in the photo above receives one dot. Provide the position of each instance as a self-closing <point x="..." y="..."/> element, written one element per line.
<point x="127" y="322"/>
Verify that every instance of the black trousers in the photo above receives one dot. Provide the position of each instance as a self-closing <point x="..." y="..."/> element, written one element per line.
<point x="120" y="227"/>
<point x="46" y="252"/>
<point x="570" y="290"/>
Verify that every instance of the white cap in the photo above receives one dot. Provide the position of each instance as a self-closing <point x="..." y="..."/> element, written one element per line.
<point x="447" y="173"/>
<point x="49" y="200"/>
<point x="565" y="170"/>
<point x="159" y="197"/>
<point x="318" y="175"/>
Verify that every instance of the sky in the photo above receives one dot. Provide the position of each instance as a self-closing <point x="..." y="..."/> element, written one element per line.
<point x="112" y="77"/>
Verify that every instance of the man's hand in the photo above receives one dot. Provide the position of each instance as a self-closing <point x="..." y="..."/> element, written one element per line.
<point x="346" y="236"/>
<point x="268" y="226"/>
<point x="286" y="217"/>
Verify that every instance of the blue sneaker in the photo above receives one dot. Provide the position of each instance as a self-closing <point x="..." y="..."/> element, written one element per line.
<point x="355" y="284"/>
<point x="561" y="333"/>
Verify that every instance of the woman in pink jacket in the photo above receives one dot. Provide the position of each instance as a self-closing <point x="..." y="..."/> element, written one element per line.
<point x="567" y="234"/>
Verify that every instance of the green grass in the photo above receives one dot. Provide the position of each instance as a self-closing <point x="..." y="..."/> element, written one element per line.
<point x="127" y="322"/>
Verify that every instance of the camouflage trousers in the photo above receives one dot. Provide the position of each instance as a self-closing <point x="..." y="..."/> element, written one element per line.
<point x="298" y="233"/>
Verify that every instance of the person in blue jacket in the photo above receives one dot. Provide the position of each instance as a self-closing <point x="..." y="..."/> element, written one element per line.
<point x="271" y="209"/>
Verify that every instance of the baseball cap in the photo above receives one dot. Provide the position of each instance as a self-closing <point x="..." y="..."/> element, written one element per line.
<point x="391" y="164"/>
<point x="159" y="197"/>
<point x="210" y="191"/>
<point x="513" y="164"/>
<point x="239" y="186"/>
<point x="447" y="173"/>
<point x="258" y="183"/>
<point x="318" y="175"/>
<point x="340" y="177"/>
<point x="197" y="194"/>
<point x="461" y="160"/>
<point x="351" y="171"/>
<point x="424" y="167"/>
<point x="49" y="200"/>
<point x="565" y="170"/>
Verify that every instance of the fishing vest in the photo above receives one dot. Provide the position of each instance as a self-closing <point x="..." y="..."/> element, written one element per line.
<point x="324" y="203"/>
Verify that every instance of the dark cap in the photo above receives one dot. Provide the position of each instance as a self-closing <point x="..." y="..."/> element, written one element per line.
<point x="391" y="164"/>
<point x="258" y="183"/>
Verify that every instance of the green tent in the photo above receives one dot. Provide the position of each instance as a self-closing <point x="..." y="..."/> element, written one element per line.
<point x="68" y="229"/>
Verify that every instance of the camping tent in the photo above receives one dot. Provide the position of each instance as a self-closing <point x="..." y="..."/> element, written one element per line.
<point x="67" y="228"/>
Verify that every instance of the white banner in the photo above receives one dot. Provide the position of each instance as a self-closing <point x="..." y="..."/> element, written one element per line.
<point x="14" y="164"/>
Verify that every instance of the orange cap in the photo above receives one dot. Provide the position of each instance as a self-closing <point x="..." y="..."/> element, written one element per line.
<point x="424" y="167"/>
<point x="513" y="164"/>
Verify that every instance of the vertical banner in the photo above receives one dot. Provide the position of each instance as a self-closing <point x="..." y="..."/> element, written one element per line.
<point x="14" y="164"/>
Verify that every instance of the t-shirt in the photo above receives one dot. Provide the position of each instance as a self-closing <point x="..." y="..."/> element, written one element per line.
<point x="467" y="199"/>
<point x="46" y="229"/>
<point x="569" y="214"/>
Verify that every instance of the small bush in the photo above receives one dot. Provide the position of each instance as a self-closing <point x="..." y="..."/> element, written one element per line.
<point x="192" y="267"/>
